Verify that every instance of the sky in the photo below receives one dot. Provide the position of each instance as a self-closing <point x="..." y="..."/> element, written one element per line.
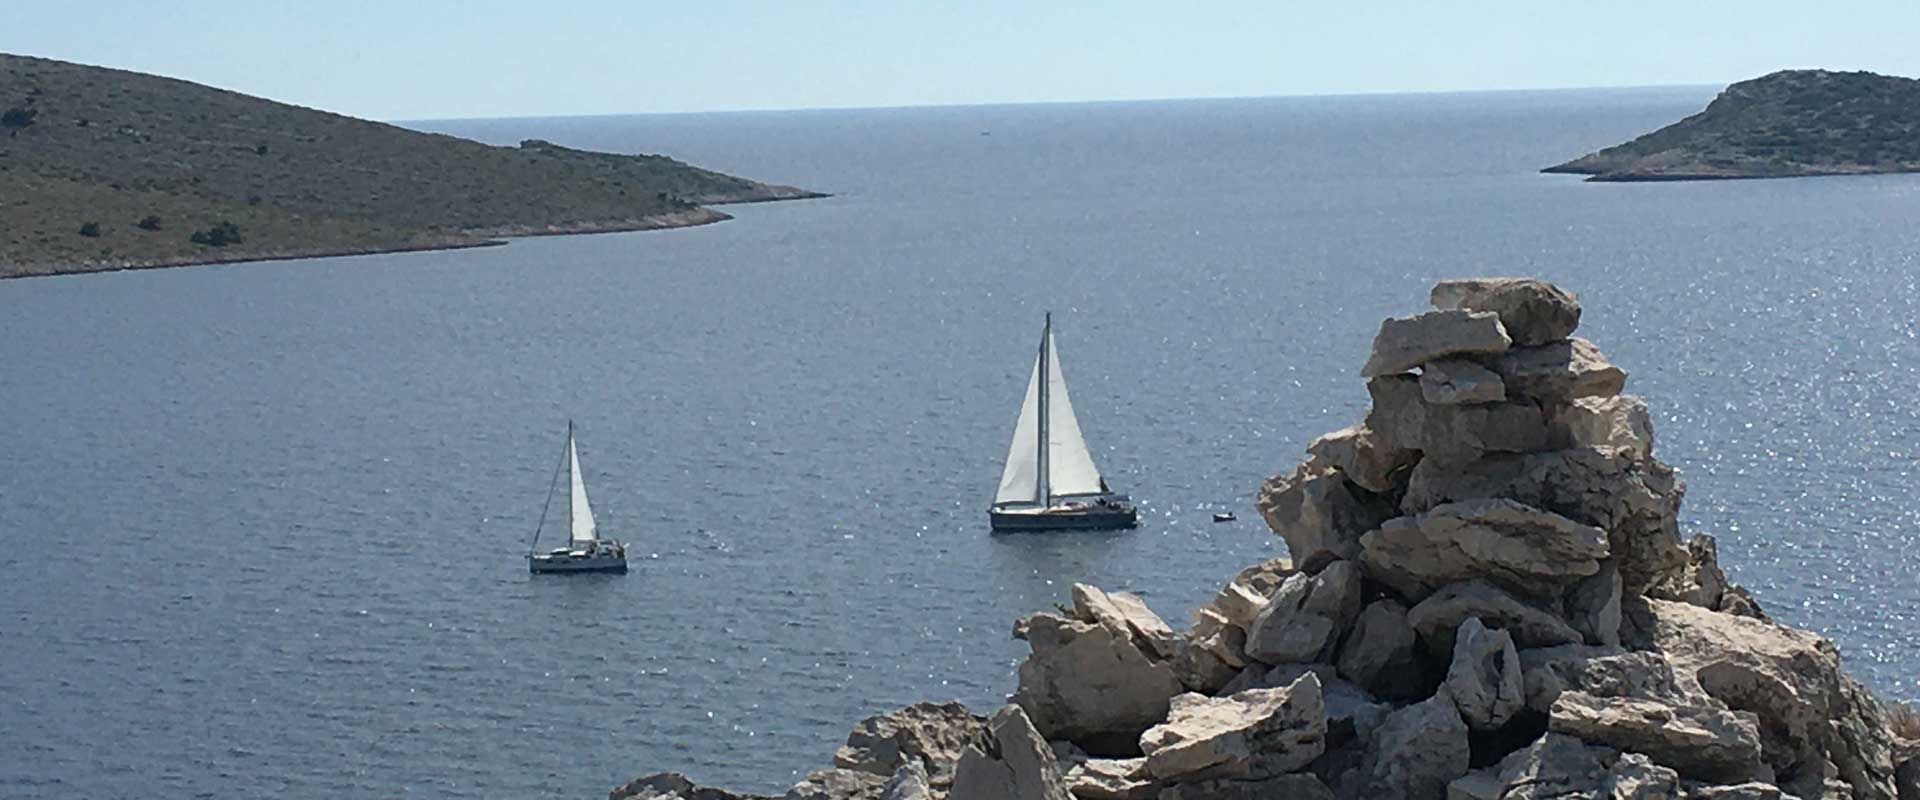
<point x="427" y="59"/>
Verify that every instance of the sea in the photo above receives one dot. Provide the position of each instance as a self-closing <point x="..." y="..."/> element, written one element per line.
<point x="263" y="526"/>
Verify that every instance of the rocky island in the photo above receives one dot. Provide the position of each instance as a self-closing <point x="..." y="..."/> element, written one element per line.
<point x="1488" y="597"/>
<point x="107" y="169"/>
<point x="1786" y="124"/>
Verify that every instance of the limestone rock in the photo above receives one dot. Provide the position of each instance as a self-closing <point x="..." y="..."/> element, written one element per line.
<point x="1201" y="669"/>
<point x="1317" y="509"/>
<point x="909" y="782"/>
<point x="1305" y="619"/>
<point x="1636" y="777"/>
<point x="1367" y="460"/>
<point x="1126" y="614"/>
<point x="1090" y="685"/>
<point x="1351" y="710"/>
<point x="1112" y="779"/>
<point x="1255" y="734"/>
<point x="1238" y="604"/>
<point x="1216" y="634"/>
<point x="1810" y="712"/>
<point x="1261" y="676"/>
<point x="1379" y="655"/>
<point x="1414" y="754"/>
<point x="1533" y="312"/>
<point x="1484" y="678"/>
<point x="1636" y="501"/>
<point x="1554" y="766"/>
<point x="1515" y="544"/>
<point x="672" y="786"/>
<point x="1593" y="606"/>
<point x="923" y="732"/>
<point x="1398" y="416"/>
<point x="1619" y="422"/>
<point x="1559" y="372"/>
<point x="838" y="784"/>
<point x="1436" y="618"/>
<point x="1407" y="342"/>
<point x="1018" y="764"/>
<point x="1402" y="419"/>
<point x="1278" y="787"/>
<point x="1751" y="790"/>
<point x="1457" y="381"/>
<point x="1698" y="739"/>
<point x="1700" y="582"/>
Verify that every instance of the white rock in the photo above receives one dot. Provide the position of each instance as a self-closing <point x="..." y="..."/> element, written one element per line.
<point x="1316" y="509"/>
<point x="1126" y="614"/>
<point x="1496" y="538"/>
<point x="1700" y="740"/>
<point x="1086" y="682"/>
<point x="1531" y="311"/>
<point x="1254" y="734"/>
<point x="1278" y="787"/>
<point x="1306" y="618"/>
<point x="1407" y="342"/>
<point x="1365" y="459"/>
<point x="1112" y="779"/>
<point x="1621" y="422"/>
<point x="1019" y="765"/>
<point x="1484" y="678"/>
<point x="909" y="782"/>
<point x="1559" y="372"/>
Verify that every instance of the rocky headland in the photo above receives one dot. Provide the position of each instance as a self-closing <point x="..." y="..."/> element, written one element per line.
<point x="1785" y="124"/>
<point x="1488" y="598"/>
<point x="108" y="169"/>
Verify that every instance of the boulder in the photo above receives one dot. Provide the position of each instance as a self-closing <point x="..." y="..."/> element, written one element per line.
<point x="1237" y="604"/>
<point x="1414" y="754"/>
<point x="1351" y="710"/>
<point x="1620" y="422"/>
<point x="1398" y="414"/>
<point x="1407" y="342"/>
<point x="1255" y="734"/>
<point x="1305" y="619"/>
<point x="838" y="784"/>
<point x="1216" y="634"/>
<point x="1016" y="765"/>
<point x="1636" y="501"/>
<point x="1112" y="779"/>
<point x="1537" y="551"/>
<point x="1593" y="606"/>
<point x="1402" y="419"/>
<point x="1202" y="670"/>
<point x="1558" y="372"/>
<point x="1261" y="676"/>
<point x="673" y="786"/>
<point x="1458" y="381"/>
<point x="1317" y="509"/>
<point x="1367" y="460"/>
<point x="1126" y="614"/>
<point x="1484" y="679"/>
<point x="1751" y="790"/>
<point x="1701" y="740"/>
<point x="1531" y="311"/>
<point x="1636" y="777"/>
<point x="1811" y="713"/>
<point x="1700" y="581"/>
<point x="1379" y="655"/>
<point x="1091" y="685"/>
<point x="1436" y="618"/>
<point x="1278" y="787"/>
<point x="1553" y="766"/>
<point x="929" y="733"/>
<point x="909" y="782"/>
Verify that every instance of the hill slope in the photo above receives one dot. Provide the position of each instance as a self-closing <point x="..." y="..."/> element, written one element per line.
<point x="81" y="144"/>
<point x="1789" y="123"/>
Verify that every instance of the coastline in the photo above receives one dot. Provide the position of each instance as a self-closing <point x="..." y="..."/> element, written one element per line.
<point x="1707" y="174"/>
<point x="490" y="237"/>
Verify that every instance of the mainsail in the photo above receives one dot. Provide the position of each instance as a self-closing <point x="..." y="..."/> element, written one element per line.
<point x="1033" y="475"/>
<point x="579" y="513"/>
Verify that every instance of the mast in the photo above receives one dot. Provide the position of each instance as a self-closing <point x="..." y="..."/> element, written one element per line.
<point x="571" y="478"/>
<point x="1046" y="488"/>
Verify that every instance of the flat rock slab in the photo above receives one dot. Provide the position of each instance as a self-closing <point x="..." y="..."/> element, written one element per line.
<point x="1257" y="733"/>
<point x="1559" y="372"/>
<point x="1533" y="311"/>
<point x="1437" y="618"/>
<point x="1504" y="539"/>
<point x="1456" y="381"/>
<point x="1407" y="342"/>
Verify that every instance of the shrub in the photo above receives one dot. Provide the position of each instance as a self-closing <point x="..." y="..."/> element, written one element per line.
<point x="90" y="229"/>
<point x="220" y="235"/>
<point x="18" y="117"/>
<point x="149" y="222"/>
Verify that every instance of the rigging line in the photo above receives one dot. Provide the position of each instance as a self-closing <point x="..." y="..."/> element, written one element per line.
<point x="564" y="452"/>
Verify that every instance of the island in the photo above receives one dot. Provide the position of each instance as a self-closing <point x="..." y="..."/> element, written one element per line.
<point x="1786" y="124"/>
<point x="108" y="169"/>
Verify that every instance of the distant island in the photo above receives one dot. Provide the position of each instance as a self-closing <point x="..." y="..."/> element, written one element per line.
<point x="1787" y="124"/>
<point x="108" y="169"/>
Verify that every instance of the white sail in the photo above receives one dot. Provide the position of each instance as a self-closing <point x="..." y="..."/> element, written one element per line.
<point x="1070" y="467"/>
<point x="1020" y="480"/>
<point x="579" y="512"/>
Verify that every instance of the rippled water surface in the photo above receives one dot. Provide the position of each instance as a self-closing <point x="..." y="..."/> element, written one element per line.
<point x="263" y="523"/>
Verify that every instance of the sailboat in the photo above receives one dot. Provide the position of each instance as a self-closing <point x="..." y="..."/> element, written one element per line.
<point x="585" y="550"/>
<point x="1050" y="482"/>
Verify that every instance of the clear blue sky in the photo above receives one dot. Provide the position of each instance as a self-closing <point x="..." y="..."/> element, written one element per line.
<point x="415" y="60"/>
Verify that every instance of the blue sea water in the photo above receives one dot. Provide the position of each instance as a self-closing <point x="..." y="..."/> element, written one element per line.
<point x="263" y="523"/>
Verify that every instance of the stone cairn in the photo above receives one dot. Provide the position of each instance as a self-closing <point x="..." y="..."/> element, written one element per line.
<point x="1487" y="598"/>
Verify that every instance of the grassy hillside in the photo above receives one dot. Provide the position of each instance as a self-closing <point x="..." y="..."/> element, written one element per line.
<point x="104" y="150"/>
<point x="1795" y="122"/>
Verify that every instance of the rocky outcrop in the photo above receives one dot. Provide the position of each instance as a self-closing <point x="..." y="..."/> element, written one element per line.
<point x="1487" y="597"/>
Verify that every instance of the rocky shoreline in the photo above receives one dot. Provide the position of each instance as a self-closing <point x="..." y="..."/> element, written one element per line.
<point x="1488" y="598"/>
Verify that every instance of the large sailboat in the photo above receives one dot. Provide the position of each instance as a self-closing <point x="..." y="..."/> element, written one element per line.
<point x="585" y="550"/>
<point x="1050" y="482"/>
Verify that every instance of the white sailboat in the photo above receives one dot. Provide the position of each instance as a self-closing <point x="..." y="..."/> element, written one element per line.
<point x="1050" y="482"/>
<point x="585" y="550"/>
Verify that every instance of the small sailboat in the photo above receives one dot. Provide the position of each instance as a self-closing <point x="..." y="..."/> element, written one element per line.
<point x="585" y="550"/>
<point x="1050" y="482"/>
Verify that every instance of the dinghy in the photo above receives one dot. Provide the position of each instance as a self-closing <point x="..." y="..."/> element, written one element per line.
<point x="585" y="550"/>
<point x="1050" y="482"/>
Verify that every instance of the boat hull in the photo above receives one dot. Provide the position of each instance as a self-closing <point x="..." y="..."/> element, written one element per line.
<point x="602" y="561"/>
<point x="1094" y="518"/>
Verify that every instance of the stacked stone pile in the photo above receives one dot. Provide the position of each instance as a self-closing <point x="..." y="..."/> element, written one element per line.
<point x="1487" y="598"/>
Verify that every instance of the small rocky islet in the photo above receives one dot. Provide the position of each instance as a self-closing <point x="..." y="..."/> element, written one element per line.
<point x="1487" y="597"/>
<point x="1785" y="124"/>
